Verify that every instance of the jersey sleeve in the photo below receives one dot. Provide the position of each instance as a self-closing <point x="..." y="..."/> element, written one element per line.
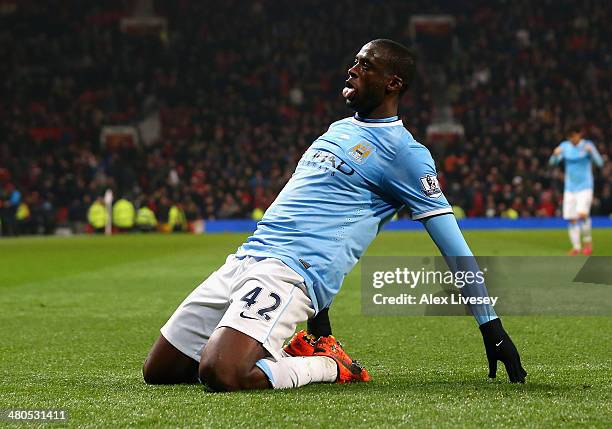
<point x="595" y="155"/>
<point x="445" y="232"/>
<point x="412" y="179"/>
<point x="556" y="159"/>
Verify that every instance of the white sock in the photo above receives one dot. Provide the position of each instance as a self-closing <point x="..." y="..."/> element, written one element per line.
<point x="289" y="372"/>
<point x="585" y="228"/>
<point x="574" y="235"/>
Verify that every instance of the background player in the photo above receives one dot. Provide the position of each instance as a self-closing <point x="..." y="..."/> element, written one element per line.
<point x="350" y="181"/>
<point x="578" y="154"/>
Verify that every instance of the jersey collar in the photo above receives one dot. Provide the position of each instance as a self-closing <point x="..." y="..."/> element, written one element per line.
<point x="383" y="122"/>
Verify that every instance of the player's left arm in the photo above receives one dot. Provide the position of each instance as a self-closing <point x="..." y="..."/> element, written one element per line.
<point x="445" y="233"/>
<point x="594" y="154"/>
<point x="412" y="179"/>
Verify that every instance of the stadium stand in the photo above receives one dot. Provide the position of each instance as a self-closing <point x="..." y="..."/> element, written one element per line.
<point x="211" y="110"/>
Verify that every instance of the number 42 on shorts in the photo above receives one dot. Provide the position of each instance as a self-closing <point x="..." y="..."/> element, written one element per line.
<point x="251" y="298"/>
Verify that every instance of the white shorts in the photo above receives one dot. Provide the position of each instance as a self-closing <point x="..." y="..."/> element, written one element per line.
<point x="577" y="203"/>
<point x="262" y="298"/>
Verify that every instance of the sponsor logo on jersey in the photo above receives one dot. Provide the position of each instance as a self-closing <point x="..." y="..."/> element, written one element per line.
<point x="430" y="186"/>
<point x="326" y="161"/>
<point x="361" y="152"/>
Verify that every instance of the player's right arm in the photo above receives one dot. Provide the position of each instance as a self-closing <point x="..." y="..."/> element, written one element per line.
<point x="556" y="156"/>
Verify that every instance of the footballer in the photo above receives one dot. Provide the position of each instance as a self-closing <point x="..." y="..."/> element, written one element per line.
<point x="229" y="332"/>
<point x="578" y="155"/>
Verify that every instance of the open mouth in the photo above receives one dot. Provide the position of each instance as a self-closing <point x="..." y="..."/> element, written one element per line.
<point x="349" y="91"/>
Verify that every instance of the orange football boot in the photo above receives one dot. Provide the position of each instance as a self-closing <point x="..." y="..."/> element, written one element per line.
<point x="587" y="249"/>
<point x="348" y="370"/>
<point x="302" y="344"/>
<point x="574" y="252"/>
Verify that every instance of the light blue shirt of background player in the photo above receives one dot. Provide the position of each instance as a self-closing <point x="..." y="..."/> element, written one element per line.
<point x="348" y="183"/>
<point x="578" y="161"/>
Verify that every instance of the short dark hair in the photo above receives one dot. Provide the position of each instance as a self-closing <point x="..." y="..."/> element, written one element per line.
<point x="401" y="60"/>
<point x="574" y="127"/>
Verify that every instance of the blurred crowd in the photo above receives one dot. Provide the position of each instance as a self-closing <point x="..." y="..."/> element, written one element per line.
<point x="240" y="89"/>
<point x="522" y="72"/>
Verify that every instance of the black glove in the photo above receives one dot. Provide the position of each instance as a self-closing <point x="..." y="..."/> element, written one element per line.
<point x="499" y="346"/>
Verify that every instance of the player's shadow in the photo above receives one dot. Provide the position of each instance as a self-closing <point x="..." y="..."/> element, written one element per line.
<point x="408" y="382"/>
<point x="433" y="386"/>
<point x="429" y="387"/>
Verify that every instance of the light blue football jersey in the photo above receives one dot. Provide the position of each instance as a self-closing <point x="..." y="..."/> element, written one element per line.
<point x="348" y="183"/>
<point x="578" y="168"/>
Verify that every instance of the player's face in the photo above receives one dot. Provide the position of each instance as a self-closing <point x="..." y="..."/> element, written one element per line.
<point x="365" y="87"/>
<point x="575" y="138"/>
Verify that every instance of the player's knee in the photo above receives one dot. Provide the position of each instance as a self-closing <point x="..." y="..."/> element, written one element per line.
<point x="222" y="377"/>
<point x="149" y="375"/>
<point x="217" y="378"/>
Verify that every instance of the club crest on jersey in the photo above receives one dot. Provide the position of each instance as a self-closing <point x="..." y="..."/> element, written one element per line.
<point x="361" y="152"/>
<point x="430" y="186"/>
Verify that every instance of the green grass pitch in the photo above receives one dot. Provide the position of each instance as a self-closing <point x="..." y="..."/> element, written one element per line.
<point x="78" y="316"/>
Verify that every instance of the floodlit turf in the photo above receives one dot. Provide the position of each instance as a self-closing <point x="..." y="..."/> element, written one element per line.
<point x="78" y="316"/>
